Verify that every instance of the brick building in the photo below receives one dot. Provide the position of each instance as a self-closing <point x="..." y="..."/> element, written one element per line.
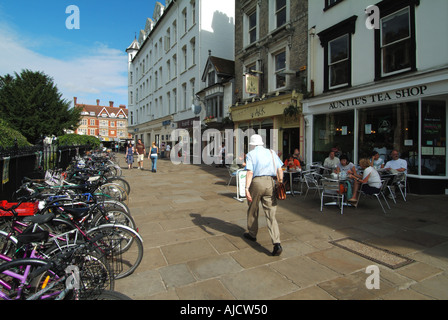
<point x="108" y="123"/>
<point x="271" y="49"/>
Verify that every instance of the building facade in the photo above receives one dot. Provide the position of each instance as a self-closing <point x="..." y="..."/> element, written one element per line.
<point x="108" y="123"/>
<point x="166" y="64"/>
<point x="378" y="76"/>
<point x="270" y="77"/>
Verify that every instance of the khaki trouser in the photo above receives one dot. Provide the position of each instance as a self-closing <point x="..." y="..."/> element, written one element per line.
<point x="262" y="189"/>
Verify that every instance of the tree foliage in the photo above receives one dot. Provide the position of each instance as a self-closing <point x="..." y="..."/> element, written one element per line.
<point x="32" y="104"/>
<point x="9" y="136"/>
<point x="79" y="140"/>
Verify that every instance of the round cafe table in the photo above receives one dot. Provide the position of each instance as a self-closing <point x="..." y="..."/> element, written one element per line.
<point x="291" y="172"/>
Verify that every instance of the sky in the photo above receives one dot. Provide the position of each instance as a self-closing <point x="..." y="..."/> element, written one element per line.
<point x="89" y="62"/>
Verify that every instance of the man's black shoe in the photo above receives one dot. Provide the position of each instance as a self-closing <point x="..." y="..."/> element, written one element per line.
<point x="249" y="237"/>
<point x="277" y="249"/>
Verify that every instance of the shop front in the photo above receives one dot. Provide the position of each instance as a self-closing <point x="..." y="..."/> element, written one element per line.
<point x="409" y="116"/>
<point x="266" y="117"/>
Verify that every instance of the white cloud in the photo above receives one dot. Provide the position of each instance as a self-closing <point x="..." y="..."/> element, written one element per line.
<point x="99" y="73"/>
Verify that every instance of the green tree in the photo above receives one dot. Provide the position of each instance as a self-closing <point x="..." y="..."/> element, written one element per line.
<point x="32" y="104"/>
<point x="9" y="136"/>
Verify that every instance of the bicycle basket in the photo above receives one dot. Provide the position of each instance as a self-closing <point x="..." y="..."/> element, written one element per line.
<point x="25" y="208"/>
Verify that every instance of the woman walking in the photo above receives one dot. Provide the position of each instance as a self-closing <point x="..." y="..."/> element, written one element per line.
<point x="153" y="156"/>
<point x="129" y="155"/>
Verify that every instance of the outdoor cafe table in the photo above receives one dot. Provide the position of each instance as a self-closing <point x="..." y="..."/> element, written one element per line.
<point x="291" y="172"/>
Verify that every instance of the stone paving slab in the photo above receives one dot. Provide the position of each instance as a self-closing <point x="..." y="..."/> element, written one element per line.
<point x="194" y="250"/>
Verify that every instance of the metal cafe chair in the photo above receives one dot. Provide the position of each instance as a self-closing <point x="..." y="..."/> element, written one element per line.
<point x="384" y="185"/>
<point x="311" y="182"/>
<point x="331" y="189"/>
<point x="399" y="182"/>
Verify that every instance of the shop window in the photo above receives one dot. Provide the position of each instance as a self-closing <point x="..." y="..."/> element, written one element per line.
<point x="395" y="39"/>
<point x="433" y="130"/>
<point x="387" y="128"/>
<point x="333" y="131"/>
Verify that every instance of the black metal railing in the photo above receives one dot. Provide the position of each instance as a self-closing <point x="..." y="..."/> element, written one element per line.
<point x="17" y="163"/>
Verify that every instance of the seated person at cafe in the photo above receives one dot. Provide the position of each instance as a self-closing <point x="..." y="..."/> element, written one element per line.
<point x="377" y="162"/>
<point x="332" y="161"/>
<point x="296" y="155"/>
<point x="400" y="165"/>
<point x="370" y="180"/>
<point x="290" y="164"/>
<point x="344" y="167"/>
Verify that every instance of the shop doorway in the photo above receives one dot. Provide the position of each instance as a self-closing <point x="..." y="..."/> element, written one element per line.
<point x="291" y="140"/>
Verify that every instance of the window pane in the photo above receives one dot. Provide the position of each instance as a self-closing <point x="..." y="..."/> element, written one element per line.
<point x="280" y="4"/>
<point x="253" y="27"/>
<point x="397" y="57"/>
<point x="339" y="74"/>
<point x="280" y="61"/>
<point x="280" y="10"/>
<point x="253" y="20"/>
<point x="280" y="64"/>
<point x="253" y="36"/>
<point x="281" y="18"/>
<point x="338" y="49"/>
<point x="395" y="27"/>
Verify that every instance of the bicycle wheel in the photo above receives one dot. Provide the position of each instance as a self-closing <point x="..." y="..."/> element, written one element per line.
<point x="124" y="246"/>
<point x="113" y="190"/>
<point x="111" y="203"/>
<point x="16" y="277"/>
<point x="114" y="215"/>
<point x="120" y="181"/>
<point x="95" y="271"/>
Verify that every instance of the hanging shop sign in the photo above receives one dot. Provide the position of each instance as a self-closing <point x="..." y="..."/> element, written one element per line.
<point x="252" y="84"/>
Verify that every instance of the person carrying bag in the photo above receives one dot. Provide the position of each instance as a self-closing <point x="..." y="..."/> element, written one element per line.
<point x="262" y="166"/>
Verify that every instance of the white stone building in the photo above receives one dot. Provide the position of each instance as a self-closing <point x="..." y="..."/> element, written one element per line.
<point x="379" y="80"/>
<point x="167" y="61"/>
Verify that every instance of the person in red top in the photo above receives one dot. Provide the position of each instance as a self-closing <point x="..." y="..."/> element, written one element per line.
<point x="291" y="163"/>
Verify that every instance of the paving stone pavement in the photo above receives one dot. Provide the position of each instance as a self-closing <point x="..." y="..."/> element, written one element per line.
<point x="194" y="250"/>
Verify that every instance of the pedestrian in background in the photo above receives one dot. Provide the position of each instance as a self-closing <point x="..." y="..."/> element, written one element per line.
<point x="141" y="152"/>
<point x="129" y="155"/>
<point x="262" y="165"/>
<point x="153" y="156"/>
